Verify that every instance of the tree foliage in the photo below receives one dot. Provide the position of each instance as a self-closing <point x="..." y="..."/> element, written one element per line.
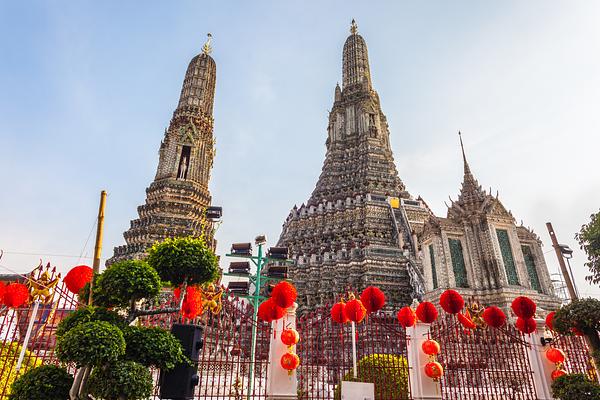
<point x="575" y="387"/>
<point x="122" y="380"/>
<point x="181" y="260"/>
<point x="92" y="343"/>
<point x="583" y="314"/>
<point x="388" y="372"/>
<point x="88" y="314"/>
<point x="125" y="282"/>
<point x="589" y="240"/>
<point x="47" y="382"/>
<point x="153" y="347"/>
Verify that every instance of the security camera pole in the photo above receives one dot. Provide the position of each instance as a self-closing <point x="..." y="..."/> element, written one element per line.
<point x="244" y="250"/>
<point x="560" y="250"/>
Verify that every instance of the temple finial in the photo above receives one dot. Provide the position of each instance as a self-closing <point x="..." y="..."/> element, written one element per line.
<point x="353" y="27"/>
<point x="462" y="147"/>
<point x="207" y="48"/>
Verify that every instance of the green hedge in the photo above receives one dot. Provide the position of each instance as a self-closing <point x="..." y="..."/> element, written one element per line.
<point x="121" y="380"/>
<point x="47" y="382"/>
<point x="92" y="343"/>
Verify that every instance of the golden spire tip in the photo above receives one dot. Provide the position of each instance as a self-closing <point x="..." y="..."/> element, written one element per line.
<point x="207" y="48"/>
<point x="353" y="27"/>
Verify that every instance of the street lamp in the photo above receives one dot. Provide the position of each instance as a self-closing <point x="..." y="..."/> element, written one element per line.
<point x="567" y="253"/>
<point x="258" y="280"/>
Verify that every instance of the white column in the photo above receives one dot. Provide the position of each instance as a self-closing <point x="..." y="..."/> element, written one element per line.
<point x="423" y="387"/>
<point x="540" y="366"/>
<point x="280" y="384"/>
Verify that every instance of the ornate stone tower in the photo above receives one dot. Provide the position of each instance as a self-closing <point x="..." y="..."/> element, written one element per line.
<point x="353" y="231"/>
<point x="480" y="251"/>
<point x="177" y="199"/>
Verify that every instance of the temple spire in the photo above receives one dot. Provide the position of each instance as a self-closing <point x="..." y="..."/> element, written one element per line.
<point x="207" y="48"/>
<point x="467" y="170"/>
<point x="471" y="192"/>
<point x="355" y="64"/>
<point x="353" y="27"/>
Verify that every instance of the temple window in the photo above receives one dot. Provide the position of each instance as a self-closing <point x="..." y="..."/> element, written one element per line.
<point x="507" y="257"/>
<point x="531" y="269"/>
<point x="458" y="263"/>
<point x="433" y="272"/>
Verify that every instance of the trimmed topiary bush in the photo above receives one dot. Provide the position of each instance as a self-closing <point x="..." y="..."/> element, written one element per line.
<point x="575" y="387"/>
<point x="89" y="314"/>
<point x="91" y="343"/>
<point x="184" y="259"/>
<point x="48" y="382"/>
<point x="122" y="380"/>
<point x="153" y="347"/>
<point x="124" y="282"/>
<point x="389" y="373"/>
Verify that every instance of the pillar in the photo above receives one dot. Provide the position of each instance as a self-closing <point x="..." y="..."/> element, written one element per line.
<point x="423" y="387"/>
<point x="540" y="366"/>
<point x="280" y="384"/>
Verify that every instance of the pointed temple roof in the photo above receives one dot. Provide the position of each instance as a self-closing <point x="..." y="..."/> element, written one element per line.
<point x="199" y="85"/>
<point x="471" y="192"/>
<point x="355" y="60"/>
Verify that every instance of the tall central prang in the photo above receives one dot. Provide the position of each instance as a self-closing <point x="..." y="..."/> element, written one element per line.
<point x="177" y="200"/>
<point x="354" y="230"/>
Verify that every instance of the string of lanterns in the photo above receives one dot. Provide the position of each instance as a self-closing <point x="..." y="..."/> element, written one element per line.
<point x="290" y="360"/>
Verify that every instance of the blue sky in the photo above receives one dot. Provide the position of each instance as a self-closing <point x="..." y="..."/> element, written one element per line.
<point x="87" y="89"/>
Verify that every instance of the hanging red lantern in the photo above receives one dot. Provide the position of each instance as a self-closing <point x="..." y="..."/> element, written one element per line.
<point x="269" y="311"/>
<point x="577" y="332"/>
<point x="284" y="294"/>
<point x="523" y="307"/>
<point x="192" y="302"/>
<point x="373" y="299"/>
<point x="290" y="337"/>
<point x="2" y="287"/>
<point x="550" y="320"/>
<point x="337" y="313"/>
<point x="355" y="311"/>
<point x="555" y="356"/>
<point x="465" y="320"/>
<point x="451" y="301"/>
<point x="526" y="325"/>
<point x="15" y="295"/>
<point x="430" y="347"/>
<point x="434" y="370"/>
<point x="78" y="277"/>
<point x="290" y="361"/>
<point x="426" y="312"/>
<point x="557" y="373"/>
<point x="406" y="317"/>
<point x="494" y="317"/>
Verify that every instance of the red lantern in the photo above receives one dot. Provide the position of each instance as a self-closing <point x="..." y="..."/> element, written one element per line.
<point x="192" y="302"/>
<point x="430" y="347"/>
<point x="406" y="317"/>
<point x="576" y="331"/>
<point x="290" y="361"/>
<point x="465" y="320"/>
<point x="426" y="312"/>
<point x="284" y="294"/>
<point x="557" y="373"/>
<point x="337" y="313"/>
<point x="355" y="311"/>
<point x="269" y="311"/>
<point x="77" y="278"/>
<point x="290" y="337"/>
<point x="2" y="287"/>
<point x="526" y="325"/>
<point x="550" y="320"/>
<point x="494" y="317"/>
<point x="555" y="356"/>
<point x="523" y="307"/>
<point x="15" y="295"/>
<point x="373" y="299"/>
<point x="451" y="301"/>
<point x="434" y="370"/>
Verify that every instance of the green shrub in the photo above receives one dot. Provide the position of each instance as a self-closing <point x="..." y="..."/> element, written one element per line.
<point x="126" y="281"/>
<point x="184" y="258"/>
<point x="153" y="347"/>
<point x="575" y="387"/>
<point x="47" y="382"/>
<point x="583" y="314"/>
<point x="88" y="314"/>
<point x="91" y="343"/>
<point x="389" y="373"/>
<point x="121" y="380"/>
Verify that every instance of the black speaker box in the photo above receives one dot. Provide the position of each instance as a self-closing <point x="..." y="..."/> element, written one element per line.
<point x="180" y="382"/>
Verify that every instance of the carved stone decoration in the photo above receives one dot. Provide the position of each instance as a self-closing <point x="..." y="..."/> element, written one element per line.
<point x="177" y="199"/>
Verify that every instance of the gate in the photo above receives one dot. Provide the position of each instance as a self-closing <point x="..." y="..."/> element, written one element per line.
<point x="224" y="362"/>
<point x="325" y="351"/>
<point x="14" y="324"/>
<point x="483" y="364"/>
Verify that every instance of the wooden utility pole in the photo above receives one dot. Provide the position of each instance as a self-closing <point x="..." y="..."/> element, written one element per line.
<point x="561" y="262"/>
<point x="99" y="235"/>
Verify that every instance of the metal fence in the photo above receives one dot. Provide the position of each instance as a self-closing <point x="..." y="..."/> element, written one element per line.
<point x="325" y="351"/>
<point x="578" y="359"/>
